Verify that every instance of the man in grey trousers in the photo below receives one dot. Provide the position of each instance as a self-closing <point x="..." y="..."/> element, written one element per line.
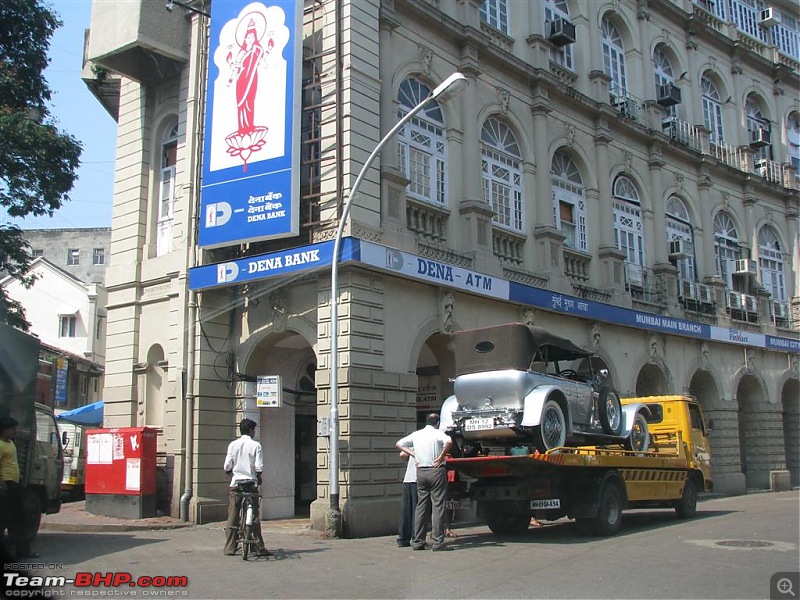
<point x="428" y="447"/>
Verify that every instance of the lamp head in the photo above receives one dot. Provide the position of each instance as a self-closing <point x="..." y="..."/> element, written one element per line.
<point x="451" y="86"/>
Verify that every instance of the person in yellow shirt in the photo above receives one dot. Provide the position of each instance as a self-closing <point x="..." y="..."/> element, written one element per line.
<point x="11" y="499"/>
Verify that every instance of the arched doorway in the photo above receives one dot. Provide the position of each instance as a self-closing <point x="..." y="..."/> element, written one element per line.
<point x="755" y="428"/>
<point x="435" y="369"/>
<point x="790" y="401"/>
<point x="651" y="381"/>
<point x="288" y="433"/>
<point x="155" y="377"/>
<point x="704" y="387"/>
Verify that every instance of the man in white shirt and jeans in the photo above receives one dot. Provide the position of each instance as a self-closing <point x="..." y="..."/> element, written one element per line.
<point x="244" y="462"/>
<point x="428" y="447"/>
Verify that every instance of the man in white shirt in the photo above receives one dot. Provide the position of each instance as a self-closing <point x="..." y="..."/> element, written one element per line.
<point x="428" y="447"/>
<point x="244" y="463"/>
<point x="408" y="503"/>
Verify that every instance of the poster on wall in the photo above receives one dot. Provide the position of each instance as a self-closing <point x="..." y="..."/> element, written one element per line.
<point x="268" y="391"/>
<point x="62" y="371"/>
<point x="250" y="188"/>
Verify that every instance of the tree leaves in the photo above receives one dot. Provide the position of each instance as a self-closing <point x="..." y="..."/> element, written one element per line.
<point x="38" y="163"/>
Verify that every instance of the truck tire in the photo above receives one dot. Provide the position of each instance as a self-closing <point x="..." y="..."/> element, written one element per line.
<point x="33" y="513"/>
<point x="610" y="411"/>
<point x="609" y="510"/>
<point x="638" y="439"/>
<point x="552" y="430"/>
<point x="501" y="522"/>
<point x="686" y="507"/>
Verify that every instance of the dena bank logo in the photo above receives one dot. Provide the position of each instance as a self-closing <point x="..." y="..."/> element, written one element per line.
<point x="218" y="214"/>
<point x="227" y="272"/>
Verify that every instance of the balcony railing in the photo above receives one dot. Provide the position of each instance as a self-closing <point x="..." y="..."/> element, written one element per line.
<point x="683" y="133"/>
<point x="730" y="155"/>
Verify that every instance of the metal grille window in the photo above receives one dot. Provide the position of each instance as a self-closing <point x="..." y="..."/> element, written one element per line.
<point x="495" y="13"/>
<point x="569" y="203"/>
<point x="614" y="60"/>
<point x="421" y="146"/>
<point x="679" y="227"/>
<point x="501" y="168"/>
<point x="726" y="246"/>
<point x="73" y="257"/>
<point x="712" y="111"/>
<point x="770" y="263"/>
<point x="564" y="56"/>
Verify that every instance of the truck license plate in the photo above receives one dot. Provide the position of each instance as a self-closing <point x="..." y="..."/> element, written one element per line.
<point x="479" y="424"/>
<point x="550" y="503"/>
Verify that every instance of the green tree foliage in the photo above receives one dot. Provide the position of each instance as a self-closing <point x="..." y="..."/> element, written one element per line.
<point x="38" y="163"/>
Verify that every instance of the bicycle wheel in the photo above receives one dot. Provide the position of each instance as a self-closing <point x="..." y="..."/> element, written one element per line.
<point x="248" y="533"/>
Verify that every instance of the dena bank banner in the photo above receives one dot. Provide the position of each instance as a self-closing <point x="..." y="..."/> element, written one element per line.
<point x="250" y="189"/>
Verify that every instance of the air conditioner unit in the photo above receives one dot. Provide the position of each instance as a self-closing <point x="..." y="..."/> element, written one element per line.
<point x="679" y="248"/>
<point x="734" y="300"/>
<point x="746" y="266"/>
<point x="750" y="303"/>
<point x="634" y="275"/>
<point x="759" y="138"/>
<point x="688" y="290"/>
<point x="669" y="95"/>
<point x="770" y="17"/>
<point x="625" y="106"/>
<point x="761" y="167"/>
<point x="705" y="294"/>
<point x="780" y="310"/>
<point x="560" y="32"/>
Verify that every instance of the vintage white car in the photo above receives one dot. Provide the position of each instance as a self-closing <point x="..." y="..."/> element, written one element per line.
<point x="511" y="391"/>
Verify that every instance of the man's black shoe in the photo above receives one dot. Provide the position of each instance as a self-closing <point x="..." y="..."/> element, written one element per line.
<point x="442" y="548"/>
<point x="403" y="544"/>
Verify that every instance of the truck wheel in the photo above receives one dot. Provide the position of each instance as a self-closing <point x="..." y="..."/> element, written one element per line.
<point x="610" y="409"/>
<point x="609" y="510"/>
<point x="33" y="514"/>
<point x="507" y="523"/>
<point x="686" y="507"/>
<point x="585" y="525"/>
<point x="639" y="438"/>
<point x="552" y="430"/>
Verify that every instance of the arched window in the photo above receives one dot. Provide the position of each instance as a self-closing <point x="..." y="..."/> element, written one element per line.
<point x="793" y="139"/>
<point x="755" y="123"/>
<point x="569" y="202"/>
<point x="712" y="111"/>
<point x="564" y="56"/>
<point x="679" y="227"/>
<point x="614" y="60"/>
<point x="421" y="147"/>
<point x="726" y="246"/>
<point x="166" y="188"/>
<point x="628" y="230"/>
<point x="664" y="75"/>
<point x="770" y="263"/>
<point x="501" y="168"/>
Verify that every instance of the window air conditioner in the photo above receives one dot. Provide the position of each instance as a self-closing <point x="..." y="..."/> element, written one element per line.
<point x="780" y="310"/>
<point x="705" y="294"/>
<point x="669" y="95"/>
<point x="746" y="266"/>
<point x="761" y="167"/>
<point x="634" y="275"/>
<point x="734" y="300"/>
<point x="759" y="138"/>
<point x="750" y="303"/>
<point x="770" y="17"/>
<point x="688" y="290"/>
<point x="560" y="32"/>
<point x="679" y="248"/>
<point x="626" y="106"/>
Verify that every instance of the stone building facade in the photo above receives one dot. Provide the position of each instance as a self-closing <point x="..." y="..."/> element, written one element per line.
<point x="630" y="183"/>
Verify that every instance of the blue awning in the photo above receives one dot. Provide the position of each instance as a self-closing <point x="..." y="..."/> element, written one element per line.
<point x="91" y="414"/>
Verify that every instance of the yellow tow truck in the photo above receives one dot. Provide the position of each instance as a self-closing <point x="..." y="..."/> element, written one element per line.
<point x="594" y="484"/>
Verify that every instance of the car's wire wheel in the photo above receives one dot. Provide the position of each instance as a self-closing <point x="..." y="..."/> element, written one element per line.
<point x="552" y="431"/>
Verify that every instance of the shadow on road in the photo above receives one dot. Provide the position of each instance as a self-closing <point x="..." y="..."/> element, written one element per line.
<point x="566" y="532"/>
<point x="74" y="548"/>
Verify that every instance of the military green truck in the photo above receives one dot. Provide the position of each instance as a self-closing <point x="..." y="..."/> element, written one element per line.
<point x="38" y="441"/>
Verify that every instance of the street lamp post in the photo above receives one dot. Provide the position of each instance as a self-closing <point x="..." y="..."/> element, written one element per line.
<point x="450" y="86"/>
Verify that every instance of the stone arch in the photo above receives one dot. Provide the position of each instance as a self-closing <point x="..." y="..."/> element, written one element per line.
<point x="652" y="380"/>
<point x="155" y="387"/>
<point x="493" y="110"/>
<point x="576" y="153"/>
<point x="414" y="69"/>
<point x="720" y="422"/>
<point x="790" y="403"/>
<point x="761" y="447"/>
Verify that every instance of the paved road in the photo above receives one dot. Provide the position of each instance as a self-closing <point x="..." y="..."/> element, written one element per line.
<point x="729" y="551"/>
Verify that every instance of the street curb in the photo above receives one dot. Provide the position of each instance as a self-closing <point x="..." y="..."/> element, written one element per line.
<point x="121" y="527"/>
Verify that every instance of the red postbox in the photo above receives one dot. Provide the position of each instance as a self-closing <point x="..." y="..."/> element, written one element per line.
<point x="121" y="472"/>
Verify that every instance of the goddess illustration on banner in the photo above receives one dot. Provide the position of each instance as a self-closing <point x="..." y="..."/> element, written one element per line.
<point x="249" y="114"/>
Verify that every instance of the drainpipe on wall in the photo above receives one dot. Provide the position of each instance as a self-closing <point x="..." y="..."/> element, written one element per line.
<point x="191" y="327"/>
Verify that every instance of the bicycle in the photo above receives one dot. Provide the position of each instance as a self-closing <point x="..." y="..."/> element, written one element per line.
<point x="247" y="517"/>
